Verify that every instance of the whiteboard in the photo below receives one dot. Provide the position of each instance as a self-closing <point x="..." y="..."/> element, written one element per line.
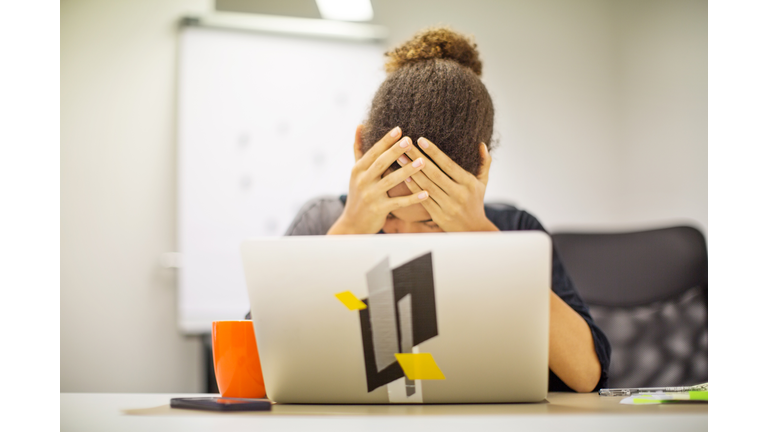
<point x="265" y="123"/>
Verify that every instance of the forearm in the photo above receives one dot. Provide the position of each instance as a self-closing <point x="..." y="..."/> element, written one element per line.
<point x="572" y="354"/>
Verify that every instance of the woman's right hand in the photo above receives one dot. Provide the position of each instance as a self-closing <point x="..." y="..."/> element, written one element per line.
<point x="368" y="203"/>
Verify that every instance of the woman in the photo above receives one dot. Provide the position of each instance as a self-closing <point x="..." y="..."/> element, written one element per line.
<point x="433" y="91"/>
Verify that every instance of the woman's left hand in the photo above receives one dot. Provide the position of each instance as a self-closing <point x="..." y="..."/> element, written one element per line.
<point x="455" y="196"/>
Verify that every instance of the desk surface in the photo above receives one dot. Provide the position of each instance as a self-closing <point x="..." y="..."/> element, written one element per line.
<point x="565" y="412"/>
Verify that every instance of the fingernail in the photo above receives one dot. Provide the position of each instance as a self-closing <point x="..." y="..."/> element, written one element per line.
<point x="395" y="132"/>
<point x="423" y="142"/>
<point x="418" y="163"/>
<point x="423" y="195"/>
<point x="403" y="160"/>
<point x="405" y="142"/>
<point x="407" y="179"/>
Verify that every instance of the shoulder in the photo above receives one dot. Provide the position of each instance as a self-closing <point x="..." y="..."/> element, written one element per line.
<point x="509" y="218"/>
<point x="316" y="216"/>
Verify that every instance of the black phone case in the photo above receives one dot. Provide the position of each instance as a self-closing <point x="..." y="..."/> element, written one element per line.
<point x="212" y="404"/>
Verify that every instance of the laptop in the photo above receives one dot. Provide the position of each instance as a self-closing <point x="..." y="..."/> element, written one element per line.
<point x="406" y="318"/>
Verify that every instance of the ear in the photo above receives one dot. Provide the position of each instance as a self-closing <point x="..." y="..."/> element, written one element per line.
<point x="358" y="142"/>
<point x="485" y="164"/>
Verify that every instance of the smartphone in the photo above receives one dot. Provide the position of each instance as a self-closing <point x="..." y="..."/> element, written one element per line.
<point x="222" y="404"/>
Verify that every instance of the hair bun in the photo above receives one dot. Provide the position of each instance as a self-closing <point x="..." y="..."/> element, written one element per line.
<point x="436" y="43"/>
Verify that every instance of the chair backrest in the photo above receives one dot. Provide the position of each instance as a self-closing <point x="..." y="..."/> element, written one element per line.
<point x="647" y="291"/>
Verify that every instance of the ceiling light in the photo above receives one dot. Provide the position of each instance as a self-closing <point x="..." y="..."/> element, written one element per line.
<point x="346" y="10"/>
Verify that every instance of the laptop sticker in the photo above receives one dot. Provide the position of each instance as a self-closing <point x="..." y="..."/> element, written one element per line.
<point x="382" y="315"/>
<point x="419" y="366"/>
<point x="399" y="314"/>
<point x="350" y="301"/>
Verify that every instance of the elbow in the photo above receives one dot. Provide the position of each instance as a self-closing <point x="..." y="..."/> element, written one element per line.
<point x="585" y="386"/>
<point x="587" y="381"/>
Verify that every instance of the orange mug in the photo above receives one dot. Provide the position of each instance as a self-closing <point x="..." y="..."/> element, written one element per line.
<point x="236" y="360"/>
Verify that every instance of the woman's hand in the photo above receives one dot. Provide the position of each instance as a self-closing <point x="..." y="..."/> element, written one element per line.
<point x="455" y="196"/>
<point x="368" y="204"/>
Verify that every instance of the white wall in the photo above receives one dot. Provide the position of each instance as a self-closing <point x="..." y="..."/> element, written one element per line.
<point x="118" y="199"/>
<point x="601" y="118"/>
<point x="663" y="107"/>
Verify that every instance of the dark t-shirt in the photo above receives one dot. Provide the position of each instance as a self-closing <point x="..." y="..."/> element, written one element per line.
<point x="317" y="216"/>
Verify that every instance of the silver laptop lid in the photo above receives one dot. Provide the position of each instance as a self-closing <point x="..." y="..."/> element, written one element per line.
<point x="407" y="318"/>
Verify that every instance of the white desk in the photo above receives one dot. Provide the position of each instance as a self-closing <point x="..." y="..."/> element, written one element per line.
<point x="84" y="412"/>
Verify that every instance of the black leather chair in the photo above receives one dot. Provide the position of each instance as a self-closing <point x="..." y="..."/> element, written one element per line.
<point x="647" y="291"/>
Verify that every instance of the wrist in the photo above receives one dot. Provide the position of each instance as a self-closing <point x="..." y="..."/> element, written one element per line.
<point x="340" y="227"/>
<point x="344" y="225"/>
<point x="487" y="225"/>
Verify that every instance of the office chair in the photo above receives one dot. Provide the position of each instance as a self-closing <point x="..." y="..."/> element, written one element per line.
<point x="647" y="291"/>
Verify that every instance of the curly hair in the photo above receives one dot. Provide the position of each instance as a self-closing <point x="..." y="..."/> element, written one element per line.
<point x="433" y="90"/>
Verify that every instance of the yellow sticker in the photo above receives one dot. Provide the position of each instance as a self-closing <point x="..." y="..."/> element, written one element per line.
<point x="350" y="301"/>
<point x="419" y="366"/>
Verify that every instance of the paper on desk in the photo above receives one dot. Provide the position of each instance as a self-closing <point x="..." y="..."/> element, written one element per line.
<point x="661" y="398"/>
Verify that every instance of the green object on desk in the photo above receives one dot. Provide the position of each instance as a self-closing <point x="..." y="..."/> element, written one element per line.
<point x="668" y="398"/>
<point x="699" y="395"/>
